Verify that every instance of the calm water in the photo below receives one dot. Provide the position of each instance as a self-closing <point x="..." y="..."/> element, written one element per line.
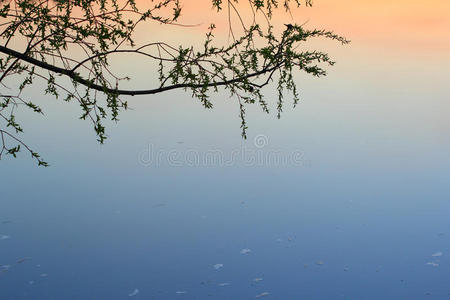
<point x="345" y="197"/>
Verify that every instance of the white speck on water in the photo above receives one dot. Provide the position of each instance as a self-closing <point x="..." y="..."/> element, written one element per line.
<point x="246" y="251"/>
<point x="4" y="237"/>
<point x="181" y="292"/>
<point x="258" y="279"/>
<point x="320" y="263"/>
<point x="218" y="266"/>
<point x="44" y="275"/>
<point x="262" y="295"/>
<point x="278" y="240"/>
<point x="432" y="264"/>
<point x="31" y="282"/>
<point x="133" y="293"/>
<point x="4" y="268"/>
<point x="22" y="260"/>
<point x="224" y="284"/>
<point x="437" y="254"/>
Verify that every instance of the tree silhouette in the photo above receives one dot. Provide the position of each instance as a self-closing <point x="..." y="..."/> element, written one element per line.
<point x="38" y="39"/>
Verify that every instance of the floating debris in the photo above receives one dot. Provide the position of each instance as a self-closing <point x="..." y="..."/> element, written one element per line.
<point x="320" y="263"/>
<point x="4" y="237"/>
<point x="218" y="266"/>
<point x="437" y="254"/>
<point x="246" y="251"/>
<point x="23" y="260"/>
<point x="432" y="264"/>
<point x="133" y="293"/>
<point x="180" y="292"/>
<point x="4" y="268"/>
<point x="224" y="284"/>
<point x="44" y="275"/>
<point x="262" y="295"/>
<point x="290" y="239"/>
<point x="258" y="279"/>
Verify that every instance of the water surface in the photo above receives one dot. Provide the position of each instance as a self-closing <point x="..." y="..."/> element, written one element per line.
<point x="345" y="197"/>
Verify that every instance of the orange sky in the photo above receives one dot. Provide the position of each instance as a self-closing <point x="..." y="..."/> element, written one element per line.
<point x="414" y="24"/>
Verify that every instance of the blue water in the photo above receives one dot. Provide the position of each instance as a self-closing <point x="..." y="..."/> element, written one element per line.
<point x="357" y="215"/>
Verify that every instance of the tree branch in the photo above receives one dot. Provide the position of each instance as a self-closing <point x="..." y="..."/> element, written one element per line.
<point x="75" y="77"/>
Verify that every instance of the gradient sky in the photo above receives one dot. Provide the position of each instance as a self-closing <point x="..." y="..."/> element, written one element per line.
<point x="408" y="24"/>
<point x="389" y="32"/>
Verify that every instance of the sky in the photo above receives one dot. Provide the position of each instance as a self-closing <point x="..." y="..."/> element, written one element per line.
<point x="414" y="24"/>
